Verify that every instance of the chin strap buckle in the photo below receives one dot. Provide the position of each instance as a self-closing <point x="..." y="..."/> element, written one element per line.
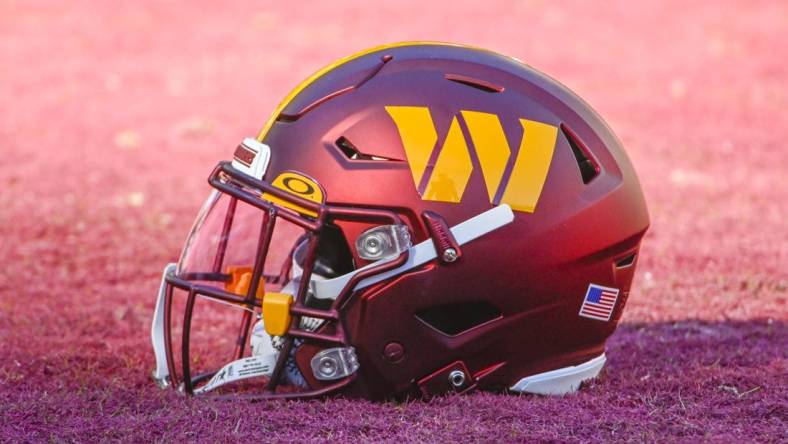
<point x="446" y="246"/>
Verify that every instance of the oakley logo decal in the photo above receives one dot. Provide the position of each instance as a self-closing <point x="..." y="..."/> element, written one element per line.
<point x="453" y="166"/>
<point x="299" y="185"/>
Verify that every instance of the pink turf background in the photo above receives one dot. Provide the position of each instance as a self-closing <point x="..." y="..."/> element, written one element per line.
<point x="113" y="114"/>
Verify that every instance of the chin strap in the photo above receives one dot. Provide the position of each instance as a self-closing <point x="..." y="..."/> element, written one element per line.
<point x="265" y="353"/>
<point x="421" y="253"/>
<point x="261" y="364"/>
<point x="251" y="367"/>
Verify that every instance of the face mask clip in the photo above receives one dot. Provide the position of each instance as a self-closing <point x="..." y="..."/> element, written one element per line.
<point x="383" y="242"/>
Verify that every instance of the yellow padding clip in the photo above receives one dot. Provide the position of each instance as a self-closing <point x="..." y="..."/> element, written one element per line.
<point x="276" y="313"/>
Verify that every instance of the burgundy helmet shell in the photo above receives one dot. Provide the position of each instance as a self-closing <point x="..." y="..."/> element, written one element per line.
<point x="457" y="220"/>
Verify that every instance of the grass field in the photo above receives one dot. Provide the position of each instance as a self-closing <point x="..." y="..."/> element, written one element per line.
<point x="113" y="115"/>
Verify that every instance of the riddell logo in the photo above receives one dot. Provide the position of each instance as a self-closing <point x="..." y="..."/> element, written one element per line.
<point x="451" y="170"/>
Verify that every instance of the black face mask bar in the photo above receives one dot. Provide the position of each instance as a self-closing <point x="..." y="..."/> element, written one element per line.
<point x="249" y="190"/>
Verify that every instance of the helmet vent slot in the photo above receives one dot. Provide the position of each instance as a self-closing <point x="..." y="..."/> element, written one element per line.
<point x="481" y="85"/>
<point x="453" y="319"/>
<point x="351" y="152"/>
<point x="589" y="168"/>
<point x="626" y="261"/>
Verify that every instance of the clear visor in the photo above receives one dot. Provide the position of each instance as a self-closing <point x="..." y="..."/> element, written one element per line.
<point x="228" y="236"/>
<point x="228" y="240"/>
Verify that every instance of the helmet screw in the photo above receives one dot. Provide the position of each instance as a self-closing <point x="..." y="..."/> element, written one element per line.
<point x="450" y="255"/>
<point x="394" y="352"/>
<point x="457" y="378"/>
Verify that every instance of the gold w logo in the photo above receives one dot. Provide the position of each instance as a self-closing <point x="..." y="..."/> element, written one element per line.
<point x="453" y="167"/>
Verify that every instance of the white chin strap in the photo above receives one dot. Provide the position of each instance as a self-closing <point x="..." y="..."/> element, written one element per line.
<point x="264" y="359"/>
<point x="420" y="253"/>
<point x="251" y="367"/>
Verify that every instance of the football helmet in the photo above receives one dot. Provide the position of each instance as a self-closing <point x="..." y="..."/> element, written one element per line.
<point x="415" y="219"/>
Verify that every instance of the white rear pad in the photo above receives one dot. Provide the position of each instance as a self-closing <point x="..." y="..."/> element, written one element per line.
<point x="561" y="381"/>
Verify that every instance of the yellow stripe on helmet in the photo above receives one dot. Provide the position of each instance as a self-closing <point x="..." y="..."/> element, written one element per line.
<point x="309" y="80"/>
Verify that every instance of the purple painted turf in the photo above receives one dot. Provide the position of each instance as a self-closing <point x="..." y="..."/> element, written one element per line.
<point x="114" y="113"/>
<point x="689" y="380"/>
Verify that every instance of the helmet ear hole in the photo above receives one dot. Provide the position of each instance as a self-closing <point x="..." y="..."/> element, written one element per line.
<point x="333" y="253"/>
<point x="333" y="259"/>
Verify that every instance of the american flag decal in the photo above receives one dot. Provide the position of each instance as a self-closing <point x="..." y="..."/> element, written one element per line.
<point x="599" y="302"/>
